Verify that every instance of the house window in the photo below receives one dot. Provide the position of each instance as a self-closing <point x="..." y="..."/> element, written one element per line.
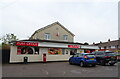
<point x="65" y="37"/>
<point x="47" y="36"/>
<point x="117" y="46"/>
<point x="99" y="47"/>
<point x="109" y="47"/>
<point x="105" y="47"/>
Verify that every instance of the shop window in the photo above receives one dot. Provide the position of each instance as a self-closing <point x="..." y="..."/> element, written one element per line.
<point x="54" y="51"/>
<point x="66" y="51"/>
<point x="27" y="50"/>
<point x="47" y="36"/>
<point x="87" y="51"/>
<point x="73" y="51"/>
<point x="63" y="51"/>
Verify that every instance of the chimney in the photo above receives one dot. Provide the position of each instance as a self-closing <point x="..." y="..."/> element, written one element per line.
<point x="108" y="40"/>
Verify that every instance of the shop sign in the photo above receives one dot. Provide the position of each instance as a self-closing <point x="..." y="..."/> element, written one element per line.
<point x="26" y="44"/>
<point x="73" y="46"/>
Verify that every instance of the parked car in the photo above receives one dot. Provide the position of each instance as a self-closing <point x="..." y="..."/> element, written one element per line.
<point x="83" y="59"/>
<point x="118" y="56"/>
<point x="105" y="57"/>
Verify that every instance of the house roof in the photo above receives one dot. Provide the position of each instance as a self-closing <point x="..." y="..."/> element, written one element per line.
<point x="114" y="42"/>
<point x="51" y="26"/>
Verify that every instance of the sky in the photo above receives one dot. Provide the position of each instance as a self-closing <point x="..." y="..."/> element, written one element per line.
<point x="89" y="20"/>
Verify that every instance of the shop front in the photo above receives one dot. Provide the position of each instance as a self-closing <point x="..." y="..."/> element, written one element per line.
<point x="43" y="51"/>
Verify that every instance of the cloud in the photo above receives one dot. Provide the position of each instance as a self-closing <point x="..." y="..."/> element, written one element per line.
<point x="89" y="21"/>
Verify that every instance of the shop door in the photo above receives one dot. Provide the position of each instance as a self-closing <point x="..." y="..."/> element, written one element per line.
<point x="44" y="54"/>
<point x="73" y="51"/>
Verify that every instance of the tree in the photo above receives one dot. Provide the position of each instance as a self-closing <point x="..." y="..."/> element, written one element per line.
<point x="86" y="43"/>
<point x="8" y="38"/>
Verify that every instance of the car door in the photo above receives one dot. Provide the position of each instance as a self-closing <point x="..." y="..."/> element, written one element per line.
<point x="99" y="56"/>
<point x="73" y="59"/>
<point x="78" y="58"/>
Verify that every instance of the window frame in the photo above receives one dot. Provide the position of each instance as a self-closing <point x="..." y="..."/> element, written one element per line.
<point x="47" y="36"/>
<point x="65" y="37"/>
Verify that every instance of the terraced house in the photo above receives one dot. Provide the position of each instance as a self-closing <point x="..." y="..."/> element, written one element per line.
<point x="109" y="45"/>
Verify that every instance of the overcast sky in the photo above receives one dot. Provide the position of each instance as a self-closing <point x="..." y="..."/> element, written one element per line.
<point x="90" y="20"/>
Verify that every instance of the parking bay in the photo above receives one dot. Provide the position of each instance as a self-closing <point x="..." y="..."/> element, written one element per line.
<point x="57" y="69"/>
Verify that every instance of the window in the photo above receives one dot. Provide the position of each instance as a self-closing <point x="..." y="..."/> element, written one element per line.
<point x="27" y="50"/>
<point x="47" y="36"/>
<point x="109" y="47"/>
<point x="100" y="53"/>
<point x="66" y="51"/>
<point x="117" y="46"/>
<point x="79" y="55"/>
<point x="65" y="37"/>
<point x="73" y="51"/>
<point x="75" y="55"/>
<point x="63" y="51"/>
<point x="105" y="47"/>
<point x="54" y="51"/>
<point x="99" y="47"/>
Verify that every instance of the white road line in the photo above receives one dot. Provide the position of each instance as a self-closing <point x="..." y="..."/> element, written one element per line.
<point x="46" y="72"/>
<point x="64" y="73"/>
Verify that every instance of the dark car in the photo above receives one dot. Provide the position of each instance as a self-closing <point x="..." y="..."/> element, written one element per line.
<point x="118" y="57"/>
<point x="105" y="57"/>
<point x="83" y="59"/>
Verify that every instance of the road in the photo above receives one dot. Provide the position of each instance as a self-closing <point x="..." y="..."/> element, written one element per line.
<point x="57" y="69"/>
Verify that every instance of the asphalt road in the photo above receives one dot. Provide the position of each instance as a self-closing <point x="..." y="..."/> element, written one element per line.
<point x="57" y="69"/>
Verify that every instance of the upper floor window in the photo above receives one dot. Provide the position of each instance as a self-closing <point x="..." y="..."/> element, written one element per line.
<point x="109" y="47"/>
<point x="47" y="36"/>
<point x="105" y="47"/>
<point x="65" y="37"/>
<point x="99" y="47"/>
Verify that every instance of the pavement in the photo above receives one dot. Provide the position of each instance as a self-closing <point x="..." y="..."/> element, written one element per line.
<point x="57" y="69"/>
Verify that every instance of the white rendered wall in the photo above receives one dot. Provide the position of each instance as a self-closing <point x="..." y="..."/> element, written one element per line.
<point x="20" y="58"/>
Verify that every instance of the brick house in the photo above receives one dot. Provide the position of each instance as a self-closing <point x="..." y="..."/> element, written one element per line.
<point x="109" y="45"/>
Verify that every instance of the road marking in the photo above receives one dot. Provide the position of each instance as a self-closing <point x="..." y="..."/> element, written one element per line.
<point x="64" y="73"/>
<point x="46" y="72"/>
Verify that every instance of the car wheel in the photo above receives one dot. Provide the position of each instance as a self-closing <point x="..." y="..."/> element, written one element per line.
<point x="102" y="63"/>
<point x="70" y="62"/>
<point x="93" y="65"/>
<point x="111" y="64"/>
<point x="82" y="64"/>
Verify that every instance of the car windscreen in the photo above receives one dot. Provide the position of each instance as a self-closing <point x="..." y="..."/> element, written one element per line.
<point x="110" y="53"/>
<point x="90" y="55"/>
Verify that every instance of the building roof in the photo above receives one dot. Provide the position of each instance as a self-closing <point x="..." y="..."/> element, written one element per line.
<point x="52" y="41"/>
<point x="48" y="26"/>
<point x="109" y="43"/>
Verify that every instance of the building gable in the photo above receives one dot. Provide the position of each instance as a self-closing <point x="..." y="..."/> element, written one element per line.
<point x="55" y="29"/>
